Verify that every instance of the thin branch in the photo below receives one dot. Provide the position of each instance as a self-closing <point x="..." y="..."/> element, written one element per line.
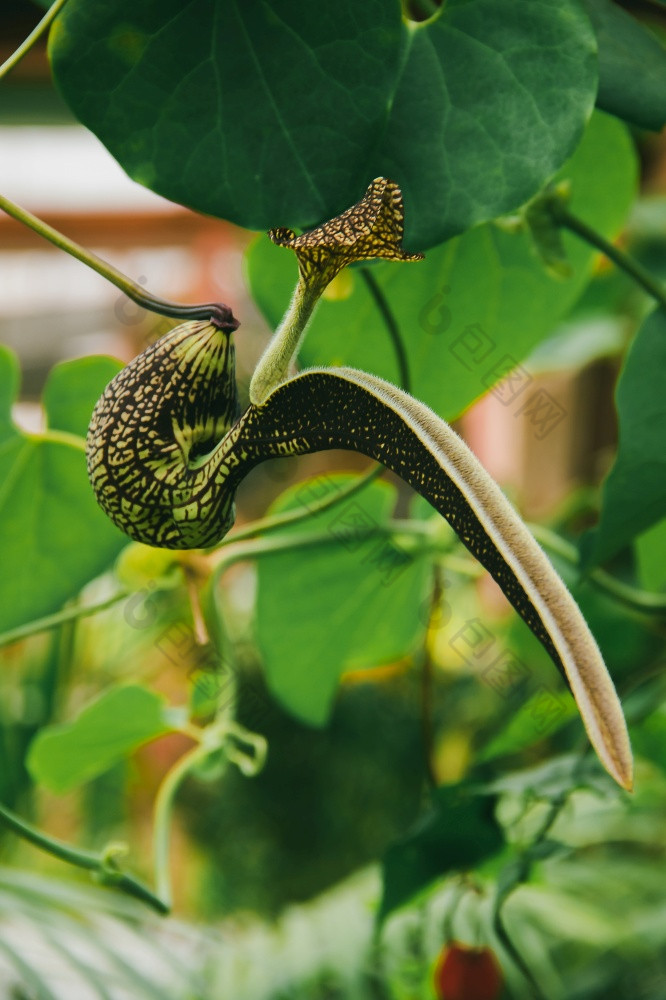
<point x="200" y="631"/>
<point x="623" y="260"/>
<point x="392" y="327"/>
<point x="218" y="314"/>
<point x="34" y="35"/>
<point x="59" y="618"/>
<point x="427" y="726"/>
<point x="102" y="865"/>
<point x="267" y="546"/>
<point x="275" y="521"/>
<point x="162" y="815"/>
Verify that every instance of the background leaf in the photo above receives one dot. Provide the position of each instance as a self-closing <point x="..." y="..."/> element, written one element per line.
<point x="350" y="604"/>
<point x="632" y="66"/>
<point x="64" y="756"/>
<point x="532" y="723"/>
<point x="475" y="307"/>
<point x="9" y="386"/>
<point x="53" y="536"/>
<point x="458" y="833"/>
<point x="634" y="494"/>
<point x="73" y="388"/>
<point x="651" y="554"/>
<point x="281" y="113"/>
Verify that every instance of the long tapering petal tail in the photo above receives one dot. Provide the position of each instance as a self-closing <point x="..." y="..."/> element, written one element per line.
<point x="344" y="408"/>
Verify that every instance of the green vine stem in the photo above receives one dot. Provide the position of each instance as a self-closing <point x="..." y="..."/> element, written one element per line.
<point x="427" y="678"/>
<point x="162" y="815"/>
<point x="420" y="530"/>
<point x="564" y="218"/>
<point x="34" y="35"/>
<point x="640" y="601"/>
<point x="59" y="618"/>
<point x="391" y="325"/>
<point x="104" y="865"/>
<point x="219" y="314"/>
<point x="274" y="521"/>
<point x="273" y="366"/>
<point x="212" y="739"/>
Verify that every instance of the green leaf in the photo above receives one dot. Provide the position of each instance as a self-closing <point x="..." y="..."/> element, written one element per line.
<point x="281" y="113"/>
<point x="651" y="553"/>
<point x="632" y="66"/>
<point x="259" y="112"/>
<point x="53" y="536"/>
<point x="555" y="777"/>
<point x="9" y="387"/>
<point x="342" y="604"/>
<point x="79" y="940"/>
<point x="475" y="307"/>
<point x="544" y="713"/>
<point x="457" y="834"/>
<point x="73" y="388"/>
<point x="634" y="494"/>
<point x="476" y="126"/>
<point x="649" y="738"/>
<point x="109" y="729"/>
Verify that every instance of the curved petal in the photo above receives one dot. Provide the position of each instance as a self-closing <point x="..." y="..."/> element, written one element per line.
<point x="344" y="408"/>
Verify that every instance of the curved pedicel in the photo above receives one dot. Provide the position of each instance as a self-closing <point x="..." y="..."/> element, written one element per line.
<point x="166" y="452"/>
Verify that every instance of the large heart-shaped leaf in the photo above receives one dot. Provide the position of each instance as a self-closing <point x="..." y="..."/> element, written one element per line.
<point x="475" y="307"/>
<point x="492" y="98"/>
<point x="280" y="113"/>
<point x="53" y="536"/>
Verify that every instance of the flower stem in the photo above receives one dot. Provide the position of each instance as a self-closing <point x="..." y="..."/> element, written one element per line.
<point x="273" y="365"/>
<point x="102" y="865"/>
<point x="218" y="314"/>
<point x="623" y="260"/>
<point x="34" y="35"/>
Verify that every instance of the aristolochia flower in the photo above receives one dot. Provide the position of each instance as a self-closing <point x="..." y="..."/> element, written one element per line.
<point x="373" y="227"/>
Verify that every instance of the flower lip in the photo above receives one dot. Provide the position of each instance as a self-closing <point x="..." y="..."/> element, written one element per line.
<point x="373" y="227"/>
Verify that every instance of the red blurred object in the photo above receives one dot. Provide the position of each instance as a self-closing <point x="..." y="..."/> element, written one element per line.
<point x="464" y="973"/>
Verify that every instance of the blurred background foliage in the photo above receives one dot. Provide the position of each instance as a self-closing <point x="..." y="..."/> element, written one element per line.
<point x="427" y="777"/>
